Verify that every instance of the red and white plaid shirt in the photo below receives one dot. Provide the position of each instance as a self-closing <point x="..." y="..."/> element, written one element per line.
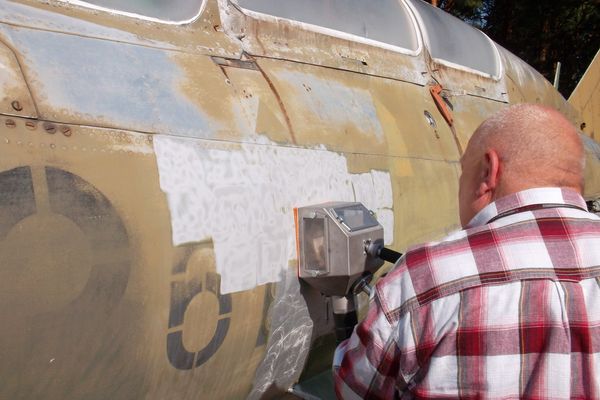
<point x="508" y="308"/>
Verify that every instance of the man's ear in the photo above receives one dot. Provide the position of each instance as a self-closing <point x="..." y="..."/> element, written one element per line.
<point x="491" y="173"/>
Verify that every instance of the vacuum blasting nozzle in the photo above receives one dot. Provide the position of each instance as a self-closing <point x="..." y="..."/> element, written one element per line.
<point x="337" y="244"/>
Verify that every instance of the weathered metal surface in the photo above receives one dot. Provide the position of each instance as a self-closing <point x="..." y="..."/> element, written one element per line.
<point x="291" y="40"/>
<point x="97" y="302"/>
<point x="531" y="87"/>
<point x="203" y="36"/>
<point x="592" y="168"/>
<point x="464" y="83"/>
<point x="15" y="98"/>
<point x="586" y="99"/>
<point x="104" y="83"/>
<point x="146" y="226"/>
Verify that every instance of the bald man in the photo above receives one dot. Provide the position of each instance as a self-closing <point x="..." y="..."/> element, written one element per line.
<point x="508" y="307"/>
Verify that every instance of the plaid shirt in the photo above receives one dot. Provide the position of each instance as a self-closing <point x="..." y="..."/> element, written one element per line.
<point x="508" y="308"/>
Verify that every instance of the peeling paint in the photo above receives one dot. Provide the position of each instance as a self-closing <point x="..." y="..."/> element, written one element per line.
<point x="291" y="40"/>
<point x="22" y="14"/>
<point x="191" y="17"/>
<point x="15" y="98"/>
<point x="107" y="83"/>
<point x="339" y="103"/>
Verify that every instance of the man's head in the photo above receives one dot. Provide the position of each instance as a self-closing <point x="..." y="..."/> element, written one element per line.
<point x="520" y="147"/>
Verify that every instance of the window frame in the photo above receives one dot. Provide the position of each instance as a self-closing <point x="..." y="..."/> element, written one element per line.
<point x="453" y="65"/>
<point x="85" y="4"/>
<point x="340" y="34"/>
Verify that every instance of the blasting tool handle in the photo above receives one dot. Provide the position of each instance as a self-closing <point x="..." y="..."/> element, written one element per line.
<point x="388" y="255"/>
<point x="376" y="249"/>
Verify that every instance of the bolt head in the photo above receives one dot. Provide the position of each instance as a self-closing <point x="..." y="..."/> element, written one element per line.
<point x="50" y="128"/>
<point x="16" y="105"/>
<point x="66" y="131"/>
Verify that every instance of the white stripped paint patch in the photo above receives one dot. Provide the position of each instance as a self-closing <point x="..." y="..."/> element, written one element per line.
<point x="242" y="198"/>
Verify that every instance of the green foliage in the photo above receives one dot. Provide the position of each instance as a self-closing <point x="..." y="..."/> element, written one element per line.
<point x="540" y="32"/>
<point x="471" y="11"/>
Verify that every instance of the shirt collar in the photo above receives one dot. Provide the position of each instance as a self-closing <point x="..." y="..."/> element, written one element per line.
<point x="529" y="197"/>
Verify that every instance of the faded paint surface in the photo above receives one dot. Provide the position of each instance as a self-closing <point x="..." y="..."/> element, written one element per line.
<point x="586" y="98"/>
<point x="291" y="40"/>
<point x="328" y="106"/>
<point x="106" y="83"/>
<point x="57" y="16"/>
<point x="244" y="107"/>
<point x="531" y="87"/>
<point x="147" y="320"/>
<point x="87" y="304"/>
<point x="592" y="168"/>
<point x="13" y="86"/>
<point x="242" y="197"/>
<point x="340" y="104"/>
<point x="27" y="15"/>
<point x="469" y="112"/>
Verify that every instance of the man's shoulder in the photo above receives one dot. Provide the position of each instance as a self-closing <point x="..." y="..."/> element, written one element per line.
<point x="540" y="246"/>
<point x="403" y="288"/>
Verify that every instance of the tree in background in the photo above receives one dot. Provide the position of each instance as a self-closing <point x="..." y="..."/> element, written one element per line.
<point x="540" y="32"/>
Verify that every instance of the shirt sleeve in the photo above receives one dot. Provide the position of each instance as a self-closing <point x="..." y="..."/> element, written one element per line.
<point x="366" y="366"/>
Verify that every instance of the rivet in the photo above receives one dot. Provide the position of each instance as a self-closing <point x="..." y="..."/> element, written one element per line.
<point x="50" y="128"/>
<point x="30" y="125"/>
<point x="10" y="123"/>
<point x="66" y="131"/>
<point x="16" y="105"/>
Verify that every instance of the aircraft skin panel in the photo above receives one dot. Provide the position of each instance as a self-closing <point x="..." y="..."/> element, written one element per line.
<point x="12" y="82"/>
<point x="352" y="112"/>
<point x="35" y="15"/>
<point x="164" y="304"/>
<point x="147" y="188"/>
<point x="291" y="40"/>
<point x="586" y="99"/>
<point x="111" y="84"/>
<point x="205" y="35"/>
<point x="461" y="83"/>
<point x="98" y="301"/>
<point x="341" y="103"/>
<point x="531" y="87"/>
